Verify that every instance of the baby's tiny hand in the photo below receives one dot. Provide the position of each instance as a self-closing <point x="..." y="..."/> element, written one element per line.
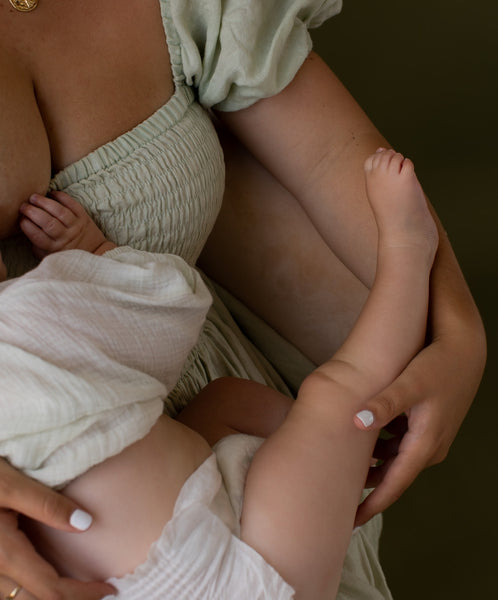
<point x="58" y="223"/>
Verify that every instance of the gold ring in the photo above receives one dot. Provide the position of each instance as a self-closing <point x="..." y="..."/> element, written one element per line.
<point x="13" y="593"/>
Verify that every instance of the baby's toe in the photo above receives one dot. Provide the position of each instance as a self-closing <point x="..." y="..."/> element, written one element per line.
<point x="396" y="162"/>
<point x="407" y="166"/>
<point x="369" y="163"/>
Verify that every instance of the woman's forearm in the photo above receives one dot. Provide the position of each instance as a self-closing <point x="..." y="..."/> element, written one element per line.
<point x="451" y="299"/>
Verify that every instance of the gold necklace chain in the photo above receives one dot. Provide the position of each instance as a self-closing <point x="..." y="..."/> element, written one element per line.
<point x="24" y="5"/>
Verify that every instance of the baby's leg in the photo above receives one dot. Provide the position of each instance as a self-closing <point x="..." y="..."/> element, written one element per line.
<point x="391" y="328"/>
<point x="305" y="482"/>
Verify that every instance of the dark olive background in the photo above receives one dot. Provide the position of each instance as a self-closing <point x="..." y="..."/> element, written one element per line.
<point x="427" y="75"/>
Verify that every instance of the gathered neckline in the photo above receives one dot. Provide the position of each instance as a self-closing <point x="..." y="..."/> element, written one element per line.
<point x="112" y="152"/>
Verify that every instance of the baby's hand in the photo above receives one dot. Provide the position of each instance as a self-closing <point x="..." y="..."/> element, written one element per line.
<point x="60" y="223"/>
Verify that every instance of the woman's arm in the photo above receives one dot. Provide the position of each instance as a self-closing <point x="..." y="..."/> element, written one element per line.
<point x="313" y="138"/>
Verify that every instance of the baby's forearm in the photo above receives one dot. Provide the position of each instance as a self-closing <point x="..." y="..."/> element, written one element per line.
<point x="230" y="405"/>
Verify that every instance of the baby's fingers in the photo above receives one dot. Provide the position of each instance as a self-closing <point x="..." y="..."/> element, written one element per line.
<point x="52" y="227"/>
<point x="46" y="224"/>
<point x="69" y="204"/>
<point x="42" y="243"/>
<point x="59" y="207"/>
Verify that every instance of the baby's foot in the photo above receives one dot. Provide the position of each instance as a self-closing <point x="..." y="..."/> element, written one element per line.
<point x="399" y="204"/>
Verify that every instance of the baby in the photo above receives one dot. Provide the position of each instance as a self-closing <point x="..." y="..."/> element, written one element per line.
<point x="165" y="524"/>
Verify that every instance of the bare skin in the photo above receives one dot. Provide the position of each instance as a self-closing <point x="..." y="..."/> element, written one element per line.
<point x="104" y="55"/>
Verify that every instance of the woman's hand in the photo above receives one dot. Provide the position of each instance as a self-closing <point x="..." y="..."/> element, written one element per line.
<point x="435" y="392"/>
<point x="19" y="562"/>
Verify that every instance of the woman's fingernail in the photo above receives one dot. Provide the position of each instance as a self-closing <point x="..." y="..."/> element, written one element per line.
<point x="366" y="417"/>
<point x="80" y="520"/>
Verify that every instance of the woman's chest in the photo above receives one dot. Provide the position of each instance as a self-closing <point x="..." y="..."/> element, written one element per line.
<point x="75" y="75"/>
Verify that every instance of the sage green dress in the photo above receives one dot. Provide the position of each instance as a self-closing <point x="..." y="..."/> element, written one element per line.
<point x="159" y="188"/>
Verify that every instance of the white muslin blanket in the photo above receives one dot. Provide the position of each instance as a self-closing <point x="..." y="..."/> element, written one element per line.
<point x="89" y="348"/>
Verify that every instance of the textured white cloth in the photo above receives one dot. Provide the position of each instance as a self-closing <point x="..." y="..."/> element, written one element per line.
<point x="90" y="346"/>
<point x="197" y="556"/>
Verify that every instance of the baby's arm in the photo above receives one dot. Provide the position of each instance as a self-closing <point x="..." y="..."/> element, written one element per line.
<point x="60" y="223"/>
<point x="230" y="405"/>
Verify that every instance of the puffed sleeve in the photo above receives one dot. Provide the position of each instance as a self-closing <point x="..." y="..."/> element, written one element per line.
<point x="235" y="52"/>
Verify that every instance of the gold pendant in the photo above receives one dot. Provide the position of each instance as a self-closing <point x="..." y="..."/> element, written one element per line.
<point x="24" y="5"/>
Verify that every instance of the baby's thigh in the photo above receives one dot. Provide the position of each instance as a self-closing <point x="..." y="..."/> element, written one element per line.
<point x="131" y="497"/>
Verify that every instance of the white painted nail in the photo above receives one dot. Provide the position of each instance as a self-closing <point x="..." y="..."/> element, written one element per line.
<point x="366" y="417"/>
<point x="80" y="520"/>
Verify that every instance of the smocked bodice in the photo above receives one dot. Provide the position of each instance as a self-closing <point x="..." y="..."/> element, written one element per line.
<point x="157" y="187"/>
